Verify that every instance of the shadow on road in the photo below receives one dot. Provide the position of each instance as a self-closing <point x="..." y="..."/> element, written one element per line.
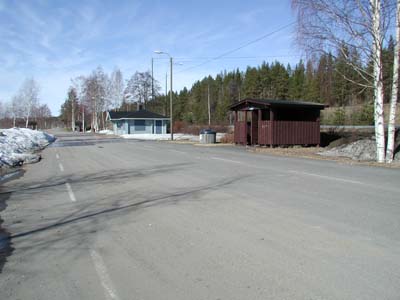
<point x="173" y="197"/>
<point x="110" y="176"/>
<point x="74" y="229"/>
<point x="6" y="248"/>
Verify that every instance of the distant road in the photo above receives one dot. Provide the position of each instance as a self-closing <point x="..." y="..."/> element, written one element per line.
<point x="106" y="218"/>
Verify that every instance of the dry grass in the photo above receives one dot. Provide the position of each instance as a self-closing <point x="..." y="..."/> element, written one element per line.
<point x="183" y="127"/>
<point x="227" y="139"/>
<point x="329" y="112"/>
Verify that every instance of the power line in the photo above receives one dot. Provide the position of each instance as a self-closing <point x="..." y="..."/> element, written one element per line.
<point x="187" y="59"/>
<point x="240" y="47"/>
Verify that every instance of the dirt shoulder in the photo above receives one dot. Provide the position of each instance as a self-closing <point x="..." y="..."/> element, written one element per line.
<point x="312" y="153"/>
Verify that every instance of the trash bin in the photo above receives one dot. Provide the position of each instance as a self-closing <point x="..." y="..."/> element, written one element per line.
<point x="207" y="136"/>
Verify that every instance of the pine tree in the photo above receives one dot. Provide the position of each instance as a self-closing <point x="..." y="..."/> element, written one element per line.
<point x="279" y="81"/>
<point x="311" y="83"/>
<point x="297" y="82"/>
<point x="387" y="74"/>
<point x="251" y="83"/>
<point x="324" y="79"/>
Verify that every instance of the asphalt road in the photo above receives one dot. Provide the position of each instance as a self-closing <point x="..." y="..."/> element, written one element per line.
<point x="103" y="218"/>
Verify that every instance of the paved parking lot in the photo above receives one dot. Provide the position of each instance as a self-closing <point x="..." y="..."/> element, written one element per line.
<point x="105" y="218"/>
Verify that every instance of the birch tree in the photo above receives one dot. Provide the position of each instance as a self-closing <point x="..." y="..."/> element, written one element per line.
<point x="140" y="86"/>
<point x="377" y="41"/>
<point x="78" y="84"/>
<point x="104" y="95"/>
<point x="11" y="109"/>
<point x="14" y="108"/>
<point x="29" y="96"/>
<point x="116" y="89"/>
<point x="324" y="25"/>
<point x="42" y="113"/>
<point x="95" y="95"/>
<point x="73" y="99"/>
<point x="90" y="98"/>
<point x="395" y="91"/>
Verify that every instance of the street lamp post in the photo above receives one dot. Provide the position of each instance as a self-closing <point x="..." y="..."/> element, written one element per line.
<point x="152" y="78"/>
<point x="170" y="101"/>
<point x="170" y="93"/>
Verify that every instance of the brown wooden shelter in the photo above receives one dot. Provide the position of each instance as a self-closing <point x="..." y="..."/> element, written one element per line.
<point x="276" y="122"/>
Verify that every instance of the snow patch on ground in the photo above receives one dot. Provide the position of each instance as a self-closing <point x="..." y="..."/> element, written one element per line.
<point x="106" y="131"/>
<point x="18" y="145"/>
<point x="161" y="137"/>
<point x="167" y="137"/>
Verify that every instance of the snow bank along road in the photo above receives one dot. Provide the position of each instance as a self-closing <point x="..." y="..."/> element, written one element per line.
<point x="117" y="219"/>
<point x="18" y="145"/>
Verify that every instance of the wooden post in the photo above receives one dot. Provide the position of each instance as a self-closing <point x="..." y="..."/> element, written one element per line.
<point x="235" y="127"/>
<point x="245" y="128"/>
<point x="271" y="119"/>
<point x="319" y="129"/>
<point x="259" y="124"/>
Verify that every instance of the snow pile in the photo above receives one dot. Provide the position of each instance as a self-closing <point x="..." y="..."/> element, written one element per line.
<point x="360" y="150"/>
<point x="18" y="145"/>
<point x="162" y="137"/>
<point x="106" y="131"/>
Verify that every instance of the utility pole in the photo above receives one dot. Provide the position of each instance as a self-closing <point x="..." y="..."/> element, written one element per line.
<point x="73" y="113"/>
<point x="166" y="94"/>
<point x="83" y="118"/>
<point x="170" y="101"/>
<point x="209" y="108"/>
<point x="171" y="120"/>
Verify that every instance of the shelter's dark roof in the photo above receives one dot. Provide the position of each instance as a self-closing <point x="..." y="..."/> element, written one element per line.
<point x="140" y="114"/>
<point x="260" y="103"/>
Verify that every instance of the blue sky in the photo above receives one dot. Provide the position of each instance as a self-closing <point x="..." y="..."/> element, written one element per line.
<point x="54" y="41"/>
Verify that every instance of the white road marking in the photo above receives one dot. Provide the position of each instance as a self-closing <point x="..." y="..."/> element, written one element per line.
<point x="227" y="160"/>
<point x="327" y="177"/>
<point x="70" y="192"/>
<point x="105" y="279"/>
<point x="61" y="167"/>
<point x="57" y="156"/>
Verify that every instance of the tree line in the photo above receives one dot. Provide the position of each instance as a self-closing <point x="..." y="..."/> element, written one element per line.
<point x="90" y="96"/>
<point x="352" y="61"/>
<point x="24" y="108"/>
<point x="323" y="79"/>
<point x="365" y="26"/>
